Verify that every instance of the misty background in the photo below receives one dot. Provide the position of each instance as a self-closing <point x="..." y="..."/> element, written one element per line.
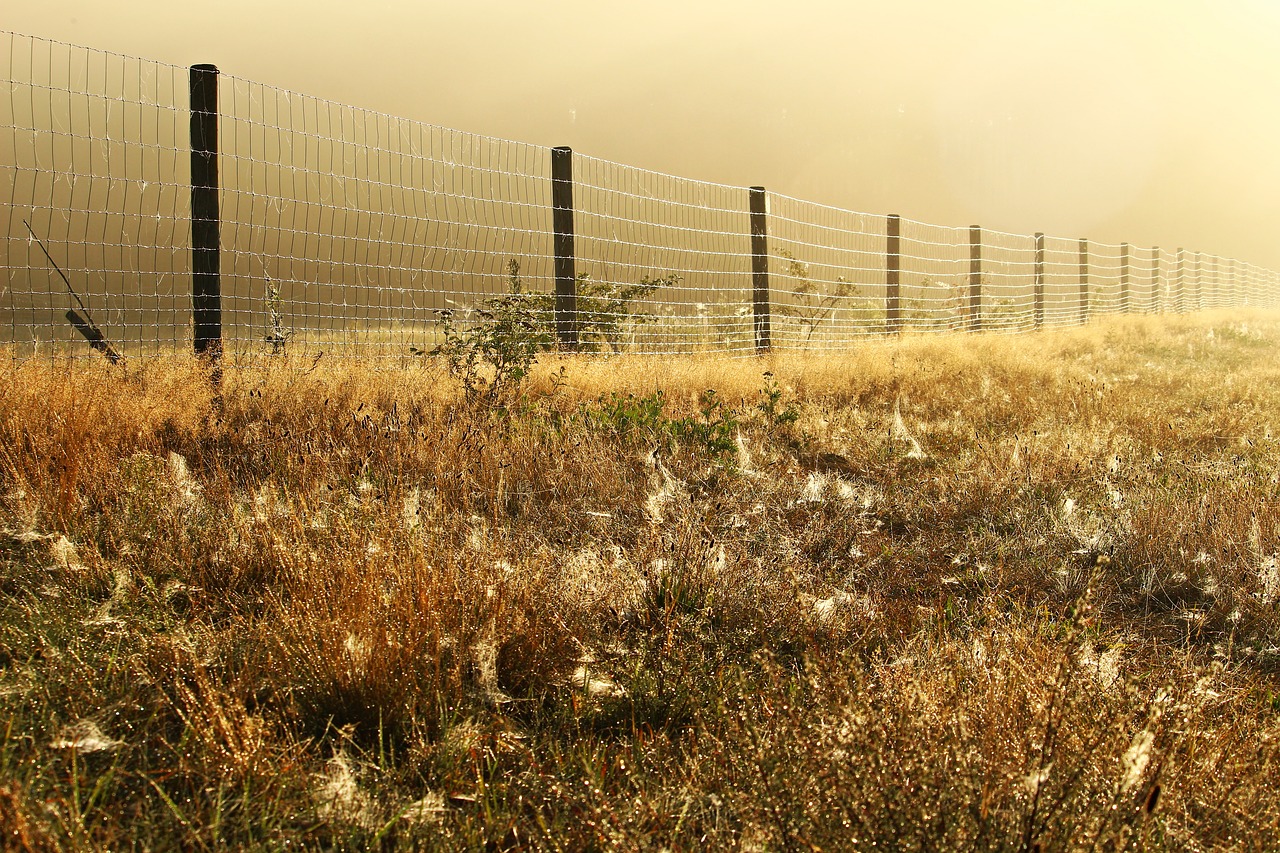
<point x="1148" y="122"/>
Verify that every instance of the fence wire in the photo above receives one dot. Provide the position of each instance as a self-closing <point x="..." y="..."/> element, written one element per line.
<point x="349" y="231"/>
<point x="92" y="153"/>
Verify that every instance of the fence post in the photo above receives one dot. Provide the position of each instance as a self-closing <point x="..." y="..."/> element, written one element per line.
<point x="206" y="281"/>
<point x="975" y="278"/>
<point x="566" y="304"/>
<point x="1199" y="281"/>
<point x="893" y="275"/>
<point x="760" y="267"/>
<point x="1155" y="279"/>
<point x="1038" y="292"/>
<point x="1124" y="278"/>
<point x="1181" y="277"/>
<point x="1084" y="280"/>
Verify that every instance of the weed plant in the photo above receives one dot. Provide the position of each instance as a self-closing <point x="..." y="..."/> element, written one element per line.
<point x="967" y="592"/>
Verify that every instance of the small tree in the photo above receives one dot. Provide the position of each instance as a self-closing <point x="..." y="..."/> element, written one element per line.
<point x="493" y="356"/>
<point x="812" y="307"/>
<point x="606" y="308"/>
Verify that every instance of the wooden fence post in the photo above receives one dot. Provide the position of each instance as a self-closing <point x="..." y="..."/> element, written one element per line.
<point x="1038" y="291"/>
<point x="1155" y="280"/>
<point x="566" y="303"/>
<point x="760" y="268"/>
<point x="1124" y="278"/>
<point x="1199" y="281"/>
<point x="1181" y="277"/>
<point x="975" y="278"/>
<point x="206" y="281"/>
<point x="1084" y="280"/>
<point x="893" y="275"/>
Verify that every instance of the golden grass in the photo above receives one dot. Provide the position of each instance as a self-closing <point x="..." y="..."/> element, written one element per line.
<point x="965" y="592"/>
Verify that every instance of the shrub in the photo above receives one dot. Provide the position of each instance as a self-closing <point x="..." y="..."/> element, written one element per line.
<point x="812" y="307"/>
<point x="605" y="309"/>
<point x="492" y="357"/>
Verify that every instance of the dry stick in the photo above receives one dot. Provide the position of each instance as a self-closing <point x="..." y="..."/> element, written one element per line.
<point x="1056" y="712"/>
<point x="84" y="325"/>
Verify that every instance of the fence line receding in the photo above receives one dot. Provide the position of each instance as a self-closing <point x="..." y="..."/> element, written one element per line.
<point x="246" y="219"/>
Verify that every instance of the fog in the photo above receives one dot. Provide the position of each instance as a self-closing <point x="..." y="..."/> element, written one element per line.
<point x="1153" y="123"/>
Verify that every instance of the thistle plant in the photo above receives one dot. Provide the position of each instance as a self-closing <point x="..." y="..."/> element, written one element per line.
<point x="279" y="335"/>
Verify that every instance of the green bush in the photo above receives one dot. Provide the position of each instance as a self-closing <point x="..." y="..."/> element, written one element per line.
<point x="606" y="309"/>
<point x="626" y="415"/>
<point x="492" y="357"/>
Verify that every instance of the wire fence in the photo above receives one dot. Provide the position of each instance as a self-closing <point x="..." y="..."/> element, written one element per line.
<point x="345" y="230"/>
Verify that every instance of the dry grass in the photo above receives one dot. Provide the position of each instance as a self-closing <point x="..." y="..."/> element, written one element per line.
<point x="952" y="593"/>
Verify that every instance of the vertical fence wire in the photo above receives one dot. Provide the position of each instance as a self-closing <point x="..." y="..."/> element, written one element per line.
<point x="93" y="159"/>
<point x="349" y="231"/>
<point x="681" y="247"/>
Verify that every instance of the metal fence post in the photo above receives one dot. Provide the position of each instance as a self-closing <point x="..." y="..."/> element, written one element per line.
<point x="759" y="203"/>
<point x="1084" y="280"/>
<point x="566" y="303"/>
<point x="975" y="278"/>
<point x="1124" y="278"/>
<point x="206" y="282"/>
<point x="1038" y="292"/>
<point x="893" y="275"/>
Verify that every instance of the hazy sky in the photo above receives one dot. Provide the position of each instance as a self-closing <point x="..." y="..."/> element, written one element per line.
<point x="1152" y="122"/>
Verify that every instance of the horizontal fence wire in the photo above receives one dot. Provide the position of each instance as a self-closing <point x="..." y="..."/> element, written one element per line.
<point x="635" y="227"/>
<point x="93" y="153"/>
<point x="352" y="232"/>
<point x="349" y="231"/>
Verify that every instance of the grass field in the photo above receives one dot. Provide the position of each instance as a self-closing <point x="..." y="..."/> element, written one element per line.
<point x="984" y="592"/>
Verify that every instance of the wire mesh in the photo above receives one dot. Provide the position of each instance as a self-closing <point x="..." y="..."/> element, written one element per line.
<point x="934" y="276"/>
<point x="349" y="231"/>
<point x="1008" y="281"/>
<point x="93" y="157"/>
<point x="682" y="247"/>
<point x="827" y="274"/>
<point x="1065" y="303"/>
